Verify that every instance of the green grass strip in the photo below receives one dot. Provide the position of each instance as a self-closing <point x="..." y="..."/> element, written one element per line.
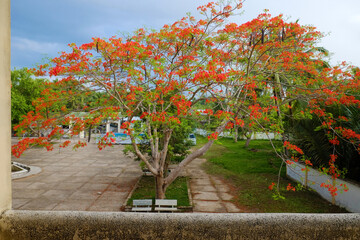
<point x="251" y="170"/>
<point x="177" y="190"/>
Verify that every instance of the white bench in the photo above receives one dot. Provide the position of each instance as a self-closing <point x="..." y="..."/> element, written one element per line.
<point x="147" y="172"/>
<point x="165" y="205"/>
<point x="142" y="205"/>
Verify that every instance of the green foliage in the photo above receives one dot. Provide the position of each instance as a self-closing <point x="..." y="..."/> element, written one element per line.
<point x="278" y="196"/>
<point x="179" y="144"/>
<point x="24" y="90"/>
<point x="310" y="136"/>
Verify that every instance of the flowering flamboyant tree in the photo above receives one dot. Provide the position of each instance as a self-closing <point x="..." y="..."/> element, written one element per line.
<point x="253" y="72"/>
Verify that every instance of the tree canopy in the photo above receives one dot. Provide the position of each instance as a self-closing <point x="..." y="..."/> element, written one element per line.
<point x="254" y="74"/>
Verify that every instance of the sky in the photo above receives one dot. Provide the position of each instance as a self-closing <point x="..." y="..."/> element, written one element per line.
<point x="40" y="29"/>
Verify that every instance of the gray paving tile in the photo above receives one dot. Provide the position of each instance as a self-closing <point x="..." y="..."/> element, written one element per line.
<point x="85" y="173"/>
<point x="106" y="205"/>
<point x="28" y="193"/>
<point x="100" y="187"/>
<point x="206" y="196"/>
<point x="39" y="204"/>
<point x="81" y="164"/>
<point x="52" y="168"/>
<point x="102" y="179"/>
<point x="209" y="206"/>
<point x="217" y="181"/>
<point x="126" y="174"/>
<point x="125" y="181"/>
<point x="19" y="202"/>
<point x="85" y="195"/>
<point x="223" y="188"/>
<point x="78" y="179"/>
<point x="202" y="188"/>
<point x="61" y="164"/>
<point x="115" y="174"/>
<point x="70" y="169"/>
<point x="231" y="207"/>
<point x="113" y="170"/>
<point x="19" y="184"/>
<point x="99" y="165"/>
<point x="57" y="194"/>
<point x="201" y="181"/>
<point x="116" y="188"/>
<point x="226" y="196"/>
<point x="41" y="185"/>
<point x="112" y="196"/>
<point x="68" y="185"/>
<point x="74" y="205"/>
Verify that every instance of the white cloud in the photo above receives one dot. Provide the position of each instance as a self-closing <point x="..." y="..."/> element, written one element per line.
<point x="355" y="19"/>
<point x="25" y="44"/>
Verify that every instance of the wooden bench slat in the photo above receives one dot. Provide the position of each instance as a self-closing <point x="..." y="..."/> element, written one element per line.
<point x="141" y="209"/>
<point x="165" y="205"/>
<point x="161" y="205"/>
<point x="142" y="205"/>
<point x="165" y="209"/>
<point x="142" y="202"/>
<point x="169" y="202"/>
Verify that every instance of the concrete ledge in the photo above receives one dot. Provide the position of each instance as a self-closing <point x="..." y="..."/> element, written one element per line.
<point x="26" y="172"/>
<point x="97" y="225"/>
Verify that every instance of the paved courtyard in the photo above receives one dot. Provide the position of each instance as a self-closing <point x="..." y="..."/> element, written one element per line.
<point x="91" y="180"/>
<point x="84" y="180"/>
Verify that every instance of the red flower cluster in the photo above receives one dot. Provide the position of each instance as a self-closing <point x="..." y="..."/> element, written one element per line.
<point x="271" y="187"/>
<point x="290" y="146"/>
<point x="213" y="136"/>
<point x="290" y="188"/>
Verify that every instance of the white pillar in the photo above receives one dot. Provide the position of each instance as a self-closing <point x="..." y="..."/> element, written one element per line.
<point x="82" y="134"/>
<point x="119" y="125"/>
<point x="5" y="107"/>
<point x="70" y="127"/>
<point x="107" y="126"/>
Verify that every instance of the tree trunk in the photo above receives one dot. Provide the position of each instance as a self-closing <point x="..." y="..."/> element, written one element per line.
<point x="236" y="129"/>
<point x="89" y="137"/>
<point x="160" y="187"/>
<point x="248" y="139"/>
<point x="247" y="142"/>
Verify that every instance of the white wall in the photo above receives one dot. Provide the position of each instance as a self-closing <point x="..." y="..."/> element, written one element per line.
<point x="349" y="200"/>
<point x="258" y="135"/>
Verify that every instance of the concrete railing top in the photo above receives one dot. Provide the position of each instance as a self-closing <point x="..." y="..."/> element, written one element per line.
<point x="100" y="225"/>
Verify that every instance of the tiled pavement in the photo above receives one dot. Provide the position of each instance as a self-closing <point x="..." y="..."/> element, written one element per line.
<point x="91" y="180"/>
<point x="209" y="193"/>
<point x="86" y="179"/>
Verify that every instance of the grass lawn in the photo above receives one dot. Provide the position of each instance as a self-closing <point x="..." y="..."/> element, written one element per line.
<point x="251" y="170"/>
<point x="177" y="190"/>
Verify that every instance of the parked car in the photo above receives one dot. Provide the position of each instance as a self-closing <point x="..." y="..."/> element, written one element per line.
<point x="192" y="138"/>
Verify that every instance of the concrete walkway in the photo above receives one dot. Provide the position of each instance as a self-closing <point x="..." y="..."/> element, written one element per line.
<point x="209" y="193"/>
<point x="82" y="180"/>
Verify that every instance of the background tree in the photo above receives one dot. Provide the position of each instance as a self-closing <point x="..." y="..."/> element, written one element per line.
<point x="24" y="90"/>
